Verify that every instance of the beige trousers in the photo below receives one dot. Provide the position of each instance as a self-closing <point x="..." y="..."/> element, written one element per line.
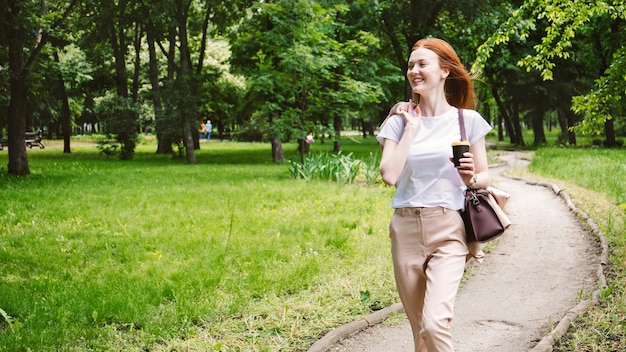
<point x="429" y="252"/>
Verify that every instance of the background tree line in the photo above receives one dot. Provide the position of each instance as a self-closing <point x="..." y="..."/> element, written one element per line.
<point x="276" y="71"/>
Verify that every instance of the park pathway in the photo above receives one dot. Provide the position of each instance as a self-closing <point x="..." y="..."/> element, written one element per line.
<point x="534" y="275"/>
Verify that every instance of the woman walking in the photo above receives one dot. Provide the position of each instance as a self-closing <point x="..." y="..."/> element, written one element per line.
<point x="427" y="234"/>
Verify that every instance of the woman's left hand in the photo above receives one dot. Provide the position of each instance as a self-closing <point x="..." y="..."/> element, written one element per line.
<point x="466" y="169"/>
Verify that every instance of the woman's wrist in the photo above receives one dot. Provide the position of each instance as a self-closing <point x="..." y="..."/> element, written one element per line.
<point x="411" y="127"/>
<point x="473" y="181"/>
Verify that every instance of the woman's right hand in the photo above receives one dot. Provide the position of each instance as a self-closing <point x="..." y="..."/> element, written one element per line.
<point x="394" y="154"/>
<point x="404" y="105"/>
<point x="411" y="113"/>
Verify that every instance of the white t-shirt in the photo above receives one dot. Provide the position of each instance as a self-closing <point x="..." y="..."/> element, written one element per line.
<point x="429" y="179"/>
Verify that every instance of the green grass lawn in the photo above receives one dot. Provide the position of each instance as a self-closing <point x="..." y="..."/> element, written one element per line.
<point x="228" y="254"/>
<point x="155" y="254"/>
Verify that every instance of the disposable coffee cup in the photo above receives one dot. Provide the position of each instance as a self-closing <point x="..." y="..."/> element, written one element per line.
<point x="458" y="148"/>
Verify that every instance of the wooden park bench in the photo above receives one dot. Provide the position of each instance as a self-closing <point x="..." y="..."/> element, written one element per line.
<point x="31" y="139"/>
<point x="34" y="138"/>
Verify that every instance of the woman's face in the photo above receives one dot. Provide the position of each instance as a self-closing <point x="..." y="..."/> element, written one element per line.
<point x="424" y="72"/>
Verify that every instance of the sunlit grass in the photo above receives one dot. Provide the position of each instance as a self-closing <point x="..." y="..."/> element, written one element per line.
<point x="227" y="254"/>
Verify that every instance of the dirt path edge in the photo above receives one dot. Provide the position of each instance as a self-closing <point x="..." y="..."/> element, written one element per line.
<point x="547" y="342"/>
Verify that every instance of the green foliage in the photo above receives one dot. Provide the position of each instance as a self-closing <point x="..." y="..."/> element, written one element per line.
<point x="561" y="22"/>
<point x="299" y="70"/>
<point x="256" y="129"/>
<point x="602" y="102"/>
<point x="564" y="19"/>
<point x="357" y="166"/>
<point x="9" y="320"/>
<point x="366" y="298"/>
<point x="107" y="148"/>
<point x="335" y="167"/>
<point x="118" y="115"/>
<point x="46" y="96"/>
<point x="371" y="169"/>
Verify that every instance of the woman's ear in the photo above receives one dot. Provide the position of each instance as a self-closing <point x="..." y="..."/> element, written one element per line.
<point x="445" y="73"/>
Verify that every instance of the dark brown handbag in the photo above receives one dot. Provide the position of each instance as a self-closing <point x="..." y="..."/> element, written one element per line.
<point x="482" y="223"/>
<point x="481" y="214"/>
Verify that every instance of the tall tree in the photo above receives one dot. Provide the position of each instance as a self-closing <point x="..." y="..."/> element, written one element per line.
<point x="105" y="30"/>
<point x="66" y="121"/>
<point x="186" y="82"/>
<point x="563" y="21"/>
<point x="156" y="20"/>
<point x="117" y="20"/>
<point x="603" y="105"/>
<point x="27" y="27"/>
<point x="187" y="25"/>
<point x="297" y="66"/>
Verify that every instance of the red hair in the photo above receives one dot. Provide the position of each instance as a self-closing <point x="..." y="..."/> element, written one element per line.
<point x="459" y="86"/>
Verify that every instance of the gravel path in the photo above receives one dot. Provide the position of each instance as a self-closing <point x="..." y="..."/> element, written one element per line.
<point x="528" y="282"/>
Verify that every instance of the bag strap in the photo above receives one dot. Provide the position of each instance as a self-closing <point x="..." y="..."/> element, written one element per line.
<point x="462" y="124"/>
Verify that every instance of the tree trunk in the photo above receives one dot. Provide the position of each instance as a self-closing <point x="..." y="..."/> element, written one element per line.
<point x="540" y="136"/>
<point x="203" y="41"/>
<point x="20" y="62"/>
<point x="337" y="126"/>
<point x="66" y="120"/>
<point x="169" y="123"/>
<point x="571" y="120"/>
<point x="609" y="133"/>
<point x="278" y="156"/>
<point x="398" y="49"/>
<point x="537" y="120"/>
<point x="18" y="159"/>
<point x="134" y="90"/>
<point x="137" y="64"/>
<point x="188" y="140"/>
<point x="562" y="118"/>
<point x="117" y="37"/>
<point x="517" y="125"/>
<point x="118" y="44"/>
<point x="164" y="144"/>
<point x="538" y="113"/>
<point x="184" y="78"/>
<point x="505" y="115"/>
<point x="500" y="123"/>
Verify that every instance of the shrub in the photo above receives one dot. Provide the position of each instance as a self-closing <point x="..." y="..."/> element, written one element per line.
<point x="343" y="168"/>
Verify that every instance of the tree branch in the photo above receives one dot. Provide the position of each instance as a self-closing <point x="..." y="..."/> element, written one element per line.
<point x="45" y="36"/>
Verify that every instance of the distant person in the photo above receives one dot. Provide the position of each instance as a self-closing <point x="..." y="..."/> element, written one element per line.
<point x="428" y="240"/>
<point x="209" y="129"/>
<point x="202" y="130"/>
<point x="307" y="143"/>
